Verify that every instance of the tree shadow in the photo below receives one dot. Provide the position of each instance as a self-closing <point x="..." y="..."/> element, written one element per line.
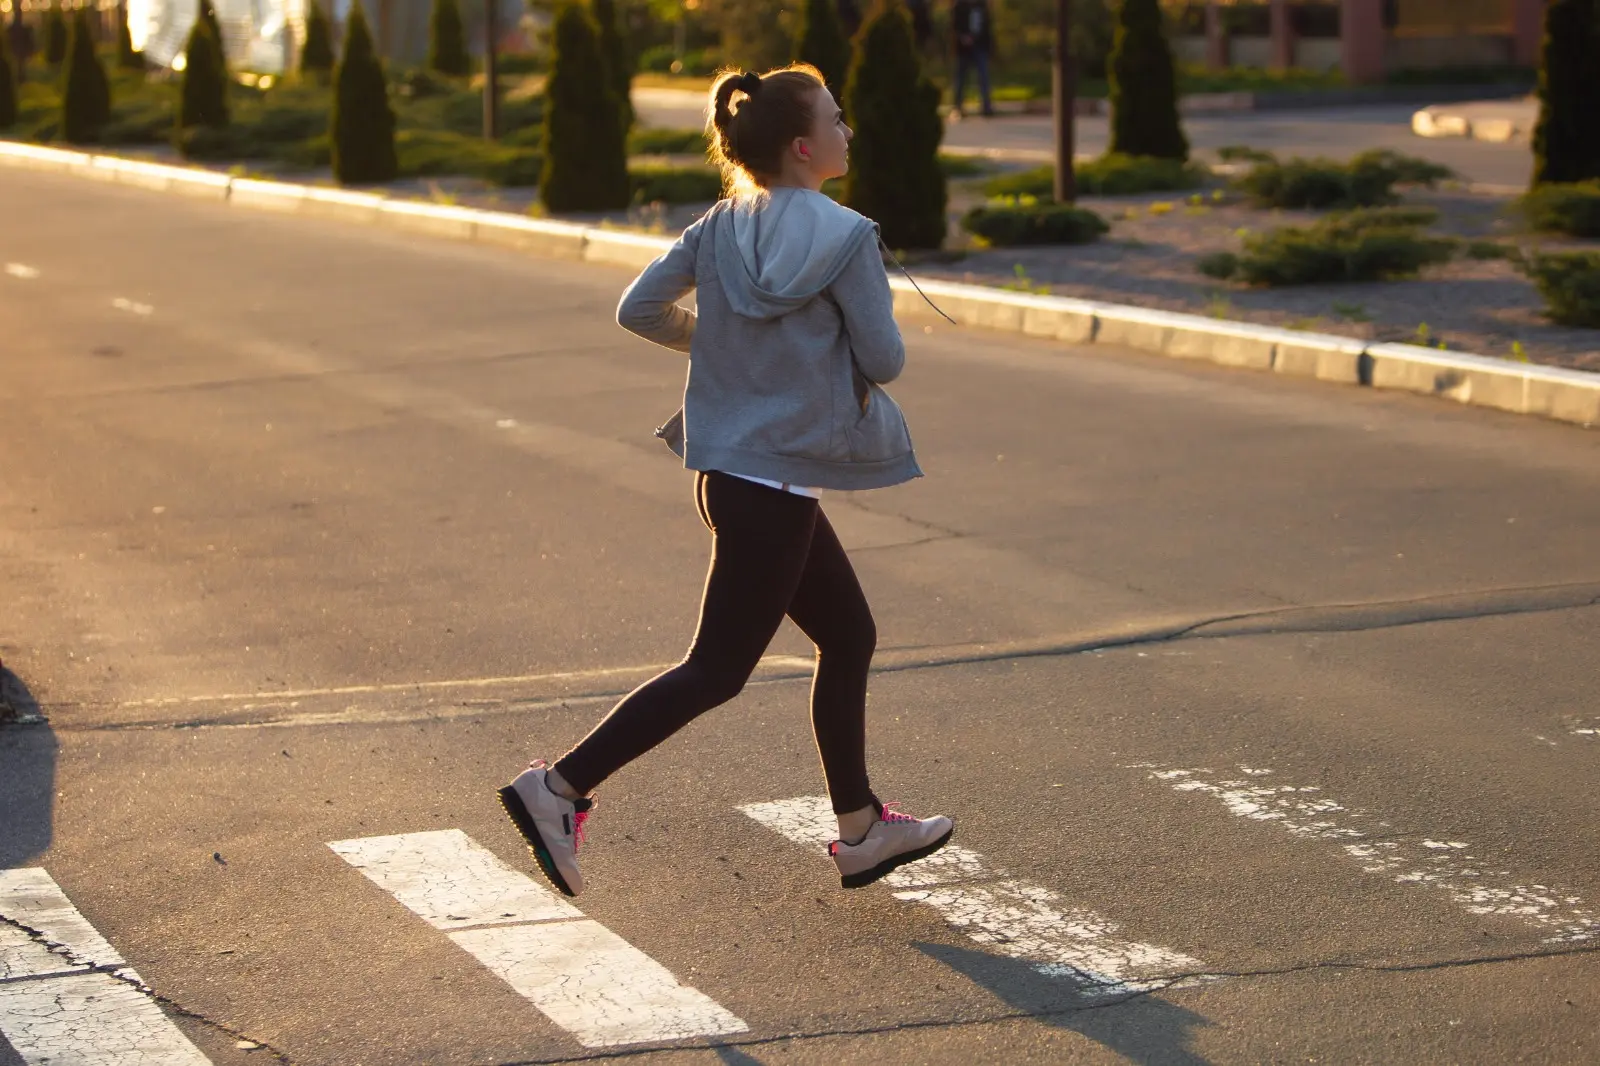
<point x="1144" y="1029"/>
<point x="28" y="752"/>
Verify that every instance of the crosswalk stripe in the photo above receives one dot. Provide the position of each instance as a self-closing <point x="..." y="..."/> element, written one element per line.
<point x="1018" y="919"/>
<point x="1443" y="863"/>
<point x="58" y="1003"/>
<point x="582" y="976"/>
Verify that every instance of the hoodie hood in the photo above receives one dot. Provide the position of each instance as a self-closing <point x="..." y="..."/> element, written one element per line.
<point x="776" y="253"/>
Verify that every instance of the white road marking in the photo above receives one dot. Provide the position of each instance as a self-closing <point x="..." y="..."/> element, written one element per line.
<point x="58" y="1004"/>
<point x="1442" y="863"/>
<point x="22" y="270"/>
<point x="1017" y="919"/>
<point x="581" y="975"/>
<point x="122" y="303"/>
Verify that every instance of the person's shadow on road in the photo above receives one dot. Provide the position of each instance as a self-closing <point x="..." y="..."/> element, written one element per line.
<point x="28" y="750"/>
<point x="1143" y="1029"/>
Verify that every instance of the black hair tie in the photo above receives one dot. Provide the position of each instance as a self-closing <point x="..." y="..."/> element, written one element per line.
<point x="750" y="83"/>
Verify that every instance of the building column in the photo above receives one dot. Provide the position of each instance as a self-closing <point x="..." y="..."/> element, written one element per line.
<point x="1363" y="39"/>
<point x="1528" y="32"/>
<point x="1282" y="36"/>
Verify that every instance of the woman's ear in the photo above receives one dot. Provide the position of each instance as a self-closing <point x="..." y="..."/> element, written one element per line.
<point x="801" y="150"/>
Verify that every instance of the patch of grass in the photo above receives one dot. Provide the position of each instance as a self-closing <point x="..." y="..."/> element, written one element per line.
<point x="675" y="185"/>
<point x="1219" y="265"/>
<point x="1368" y="180"/>
<point x="1109" y="175"/>
<point x="1243" y="153"/>
<point x="963" y="166"/>
<point x="1483" y="250"/>
<point x="651" y="141"/>
<point x="1573" y="209"/>
<point x="1022" y="220"/>
<point x="1351" y="312"/>
<point x="1021" y="282"/>
<point x="1218" y="305"/>
<point x="1570" y="284"/>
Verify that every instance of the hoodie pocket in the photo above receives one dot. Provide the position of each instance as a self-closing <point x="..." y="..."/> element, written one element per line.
<point x="879" y="433"/>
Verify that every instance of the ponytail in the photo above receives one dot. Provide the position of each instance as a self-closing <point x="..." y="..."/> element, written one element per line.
<point x="748" y="135"/>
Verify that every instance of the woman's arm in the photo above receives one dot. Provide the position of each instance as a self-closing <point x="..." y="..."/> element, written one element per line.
<point x="862" y="293"/>
<point x="649" y="306"/>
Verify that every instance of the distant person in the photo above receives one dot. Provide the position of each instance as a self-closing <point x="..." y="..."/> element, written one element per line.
<point x="793" y="338"/>
<point x="972" y="30"/>
<point x="849" y="17"/>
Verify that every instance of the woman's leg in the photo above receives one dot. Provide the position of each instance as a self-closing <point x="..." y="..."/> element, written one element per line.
<point x="761" y="538"/>
<point x="830" y="608"/>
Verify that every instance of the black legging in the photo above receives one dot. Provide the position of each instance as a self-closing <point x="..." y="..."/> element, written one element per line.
<point x="773" y="553"/>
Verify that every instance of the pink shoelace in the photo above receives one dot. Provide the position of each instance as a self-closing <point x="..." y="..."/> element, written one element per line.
<point x="890" y="815"/>
<point x="578" y="817"/>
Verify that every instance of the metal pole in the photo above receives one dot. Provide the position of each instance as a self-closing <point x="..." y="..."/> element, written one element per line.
<point x="491" y="87"/>
<point x="1064" y="92"/>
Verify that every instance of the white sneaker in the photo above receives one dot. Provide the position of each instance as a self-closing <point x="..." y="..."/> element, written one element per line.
<point x="894" y="840"/>
<point x="551" y="824"/>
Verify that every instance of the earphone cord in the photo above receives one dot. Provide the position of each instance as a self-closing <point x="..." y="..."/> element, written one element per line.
<point x="914" y="284"/>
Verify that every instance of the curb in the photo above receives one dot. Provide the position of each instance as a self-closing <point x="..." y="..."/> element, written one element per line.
<point x="1551" y="392"/>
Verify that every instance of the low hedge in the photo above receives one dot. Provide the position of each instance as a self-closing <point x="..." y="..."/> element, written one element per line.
<point x="1109" y="175"/>
<point x="1570" y="285"/>
<point x="1023" y="220"/>
<point x="674" y="185"/>
<point x="1562" y="208"/>
<point x="1368" y="180"/>
<point x="436" y="153"/>
<point x="1368" y="245"/>
<point x="645" y="140"/>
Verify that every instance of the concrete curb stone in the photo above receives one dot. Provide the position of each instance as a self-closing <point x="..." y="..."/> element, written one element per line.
<point x="1551" y="392"/>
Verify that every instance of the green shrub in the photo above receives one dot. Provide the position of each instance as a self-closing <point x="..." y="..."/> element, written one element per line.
<point x="1566" y="138"/>
<point x="362" y="123"/>
<point x="822" y="43"/>
<point x="146" y="119"/>
<point x="586" y="157"/>
<point x="1359" y="246"/>
<point x="1109" y="175"/>
<point x="1570" y="284"/>
<point x="316" y="56"/>
<point x="619" y="64"/>
<point x="1485" y="251"/>
<point x="8" y="84"/>
<point x="55" y="35"/>
<point x="438" y="153"/>
<point x="1219" y="265"/>
<point x="1573" y="209"/>
<point x="208" y="15"/>
<point x="203" y="95"/>
<point x="1243" y="153"/>
<point x="1144" y="85"/>
<point x="85" y="92"/>
<point x="1367" y="180"/>
<point x="447" y="40"/>
<point x="894" y="177"/>
<point x="1025" y="221"/>
<point x="675" y="185"/>
<point x="645" y="140"/>
<point x="963" y="166"/>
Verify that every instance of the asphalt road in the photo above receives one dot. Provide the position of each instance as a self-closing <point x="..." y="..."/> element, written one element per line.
<point x="1335" y="132"/>
<point x="1266" y="708"/>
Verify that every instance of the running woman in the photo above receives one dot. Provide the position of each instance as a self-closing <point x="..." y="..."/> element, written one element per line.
<point x="794" y="337"/>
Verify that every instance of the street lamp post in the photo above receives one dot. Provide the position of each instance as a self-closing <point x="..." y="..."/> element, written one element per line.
<point x="1064" y="92"/>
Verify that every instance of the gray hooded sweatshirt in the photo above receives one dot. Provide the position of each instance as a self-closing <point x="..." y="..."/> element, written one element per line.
<point x="794" y="338"/>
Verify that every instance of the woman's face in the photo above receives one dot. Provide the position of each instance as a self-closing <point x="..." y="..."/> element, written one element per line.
<point x="828" y="143"/>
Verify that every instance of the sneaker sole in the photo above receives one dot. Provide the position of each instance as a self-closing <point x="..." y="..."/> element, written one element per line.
<point x="889" y="865"/>
<point x="518" y="812"/>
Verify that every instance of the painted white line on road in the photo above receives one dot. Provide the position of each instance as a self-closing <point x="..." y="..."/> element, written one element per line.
<point x="1017" y="919"/>
<point x="580" y="975"/>
<point x="1440" y="862"/>
<point x="55" y="1007"/>
<point x="22" y="270"/>
<point x="122" y="303"/>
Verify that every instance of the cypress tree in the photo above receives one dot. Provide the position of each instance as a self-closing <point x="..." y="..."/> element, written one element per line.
<point x="127" y="58"/>
<point x="208" y="13"/>
<point x="586" y="156"/>
<point x="85" y="90"/>
<point x="447" y="40"/>
<point x="1144" y="85"/>
<point x="362" y="124"/>
<point x="895" y="178"/>
<point x="1566" y="140"/>
<point x="8" y="84"/>
<point x="55" y="36"/>
<point x="203" y="95"/>
<point x="822" y="43"/>
<point x="316" y="56"/>
<point x="619" y="64"/>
